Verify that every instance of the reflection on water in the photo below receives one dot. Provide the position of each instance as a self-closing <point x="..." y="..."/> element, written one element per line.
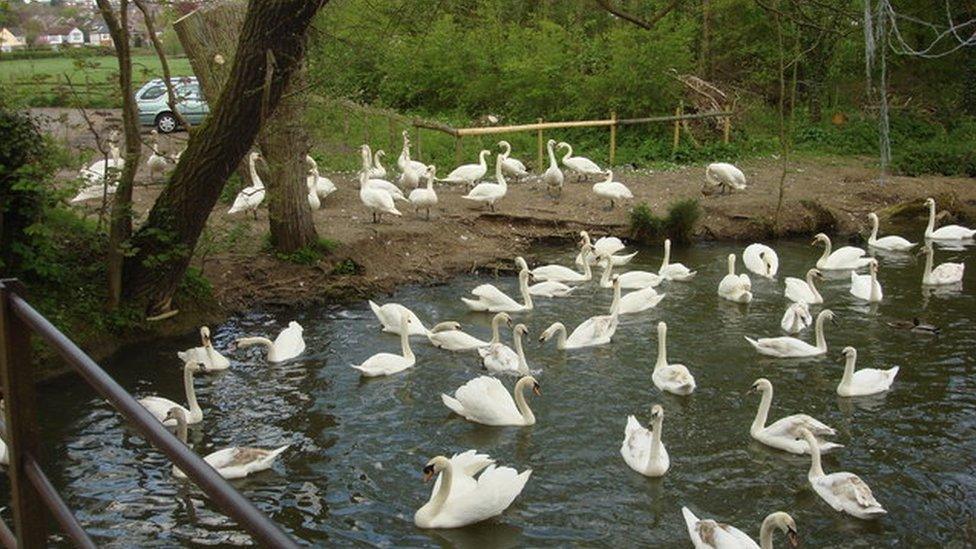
<point x="352" y="474"/>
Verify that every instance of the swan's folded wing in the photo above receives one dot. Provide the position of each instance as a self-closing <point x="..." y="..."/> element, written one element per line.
<point x="497" y="489"/>
<point x="637" y="442"/>
<point x="500" y="357"/>
<point x="781" y="345"/>
<point x="850" y="487"/>
<point x="486" y="399"/>
<point x="470" y="462"/>
<point x="793" y="425"/>
<point x="678" y="373"/>
<point x="491" y="293"/>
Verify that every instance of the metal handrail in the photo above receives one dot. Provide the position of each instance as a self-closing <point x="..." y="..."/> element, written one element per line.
<point x="264" y="531"/>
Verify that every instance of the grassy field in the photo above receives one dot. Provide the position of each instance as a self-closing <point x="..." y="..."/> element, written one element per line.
<point x="42" y="82"/>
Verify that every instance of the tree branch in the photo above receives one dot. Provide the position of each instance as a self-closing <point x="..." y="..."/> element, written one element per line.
<point x="167" y="77"/>
<point x="646" y="24"/>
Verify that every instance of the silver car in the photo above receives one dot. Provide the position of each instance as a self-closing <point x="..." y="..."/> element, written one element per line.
<point x="154" y="108"/>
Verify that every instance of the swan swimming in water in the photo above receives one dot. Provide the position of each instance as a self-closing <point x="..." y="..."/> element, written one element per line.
<point x="485" y="400"/>
<point x="796" y="318"/>
<point x="205" y="354"/>
<point x="761" y="260"/>
<point x="642" y="448"/>
<point x="384" y="364"/>
<point x="500" y="359"/>
<point x="943" y="275"/>
<point x="709" y="534"/>
<point x="867" y="287"/>
<point x="844" y="491"/>
<point x="733" y="287"/>
<point x="389" y="317"/>
<point x="803" y="291"/>
<point x="949" y="232"/>
<point x="286" y="346"/>
<point x="493" y="300"/>
<point x="671" y="378"/>
<point x="159" y="407"/>
<point x="841" y="259"/>
<point x="673" y="271"/>
<point x="448" y="335"/>
<point x="890" y="243"/>
<point x="791" y="347"/>
<point x="783" y="433"/>
<point x="863" y="382"/>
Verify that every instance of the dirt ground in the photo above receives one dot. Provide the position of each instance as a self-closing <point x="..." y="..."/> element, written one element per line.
<point x="829" y="194"/>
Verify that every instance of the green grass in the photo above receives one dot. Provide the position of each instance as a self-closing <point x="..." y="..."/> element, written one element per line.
<point x="42" y="82"/>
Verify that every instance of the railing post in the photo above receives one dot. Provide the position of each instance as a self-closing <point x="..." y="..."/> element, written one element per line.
<point x="677" y="127"/>
<point x="613" y="137"/>
<point x="20" y="417"/>
<point x="538" y="157"/>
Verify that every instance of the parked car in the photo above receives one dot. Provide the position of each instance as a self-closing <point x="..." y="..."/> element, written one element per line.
<point x="154" y="109"/>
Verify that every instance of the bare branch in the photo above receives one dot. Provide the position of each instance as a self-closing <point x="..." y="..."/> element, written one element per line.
<point x="647" y="24"/>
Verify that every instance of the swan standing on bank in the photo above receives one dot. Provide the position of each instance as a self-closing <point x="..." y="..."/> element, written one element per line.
<point x="800" y="291"/>
<point x="425" y="197"/>
<point x="943" y="275"/>
<point x="512" y="167"/>
<point x="783" y="434"/>
<point x="376" y="170"/>
<point x="485" y="400"/>
<point x="231" y="463"/>
<point x="459" y="499"/>
<point x="376" y="199"/>
<point x="947" y="233"/>
<point x="250" y="197"/>
<point x="389" y="316"/>
<point x="469" y="174"/>
<point x="102" y="177"/>
<point x="863" y="382"/>
<point x="708" y="534"/>
<point x="384" y="364"/>
<point x="796" y="318"/>
<point x="448" y="335"/>
<point x="156" y="162"/>
<point x="867" y="287"/>
<point x="489" y="193"/>
<point x="159" y="407"/>
<point x="498" y="358"/>
<point x="582" y="166"/>
<point x="844" y="491"/>
<point x="323" y="185"/>
<point x="380" y="185"/>
<point x="553" y="176"/>
<point x="403" y="161"/>
<point x="642" y="448"/>
<point x="493" y="300"/>
<point x="736" y="288"/>
<point x="205" y="354"/>
<point x="286" y="346"/>
<point x="841" y="259"/>
<point x="890" y="243"/>
<point x="761" y="260"/>
<point x="671" y="378"/>
<point x="725" y="176"/>
<point x="673" y="271"/>
<point x="612" y="190"/>
<point x="791" y="347"/>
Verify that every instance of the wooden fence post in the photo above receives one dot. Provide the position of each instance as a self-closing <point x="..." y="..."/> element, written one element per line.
<point x="20" y="418"/>
<point x="677" y="127"/>
<point x="613" y="137"/>
<point x="727" y="130"/>
<point x="457" y="150"/>
<point x="538" y="156"/>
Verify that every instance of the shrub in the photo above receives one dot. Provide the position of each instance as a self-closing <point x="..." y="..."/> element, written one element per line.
<point x="682" y="216"/>
<point x="644" y="225"/>
<point x="937" y="157"/>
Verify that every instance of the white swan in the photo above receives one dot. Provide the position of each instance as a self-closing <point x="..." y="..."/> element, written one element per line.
<point x="323" y="185"/>
<point x="584" y="167"/>
<point x="782" y="434"/>
<point x="553" y="177"/>
<point x="448" y="335"/>
<point x="314" y="202"/>
<point x="844" y="491"/>
<point x="159" y="407"/>
<point x="725" y="176"/>
<point x="761" y="260"/>
<point x="605" y="246"/>
<point x="841" y="259"/>
<point x="231" y="463"/>
<point x="634" y="302"/>
<point x="866" y="381"/>
<point x="498" y="357"/>
<point x="803" y="291"/>
<point x="425" y="197"/>
<point x="596" y="330"/>
<point x="949" y="232"/>
<point x="389" y="316"/>
<point x="560" y="273"/>
<point x="377" y="171"/>
<point x="612" y="190"/>
<point x="550" y="288"/>
<point x="250" y="197"/>
<point x="286" y="346"/>
<point x="384" y="364"/>
<point x="867" y="287"/>
<point x="156" y="162"/>
<point x="377" y="200"/>
<point x="493" y="300"/>
<point x="459" y="499"/>
<point x="642" y="448"/>
<point x="205" y="354"/>
<point x="410" y="178"/>
<point x="791" y="347"/>
<point x="671" y="378"/>
<point x="404" y="162"/>
<point x="796" y="318"/>
<point x="709" y="534"/>
<point x="631" y="280"/>
<point x="512" y="167"/>
<point x="890" y="243"/>
<point x="381" y="185"/>
<point x="737" y="288"/>
<point x="673" y="271"/>
<point x="944" y="274"/>
<point x="489" y="193"/>
<point x="469" y="173"/>
<point x="485" y="400"/>
<point x="101" y="177"/>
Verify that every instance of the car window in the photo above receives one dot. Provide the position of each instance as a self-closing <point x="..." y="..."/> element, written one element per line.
<point x="189" y="92"/>
<point x="154" y="92"/>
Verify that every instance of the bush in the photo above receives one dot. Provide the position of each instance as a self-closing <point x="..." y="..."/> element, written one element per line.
<point x="679" y="225"/>
<point x="644" y="225"/>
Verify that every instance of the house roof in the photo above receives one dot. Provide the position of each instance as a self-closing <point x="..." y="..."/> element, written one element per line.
<point x="59" y="30"/>
<point x="14" y="31"/>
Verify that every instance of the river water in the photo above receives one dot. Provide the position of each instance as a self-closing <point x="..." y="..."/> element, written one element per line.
<point x="353" y="472"/>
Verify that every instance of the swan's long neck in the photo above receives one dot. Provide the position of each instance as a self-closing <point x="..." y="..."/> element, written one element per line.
<point x="662" y="348"/>
<point x="495" y="336"/>
<point x="656" y="437"/>
<point x="252" y="168"/>
<point x="762" y="413"/>
<point x="827" y="250"/>
<point x="811" y="285"/>
<point x="524" y="289"/>
<point x="437" y="502"/>
<point x="430" y="181"/>
<point x="587" y="270"/>
<point x="191" y="395"/>
<point x="848" y="369"/>
<point x="821" y="339"/>
<point x="181" y="428"/>
<point x="874" y="230"/>
<point x="816" y="469"/>
<point x="874" y="284"/>
<point x="520" y="402"/>
<point x="376" y="161"/>
<point x="507" y="152"/>
<point x="731" y="264"/>
<point x="552" y="156"/>
<point x="928" y="263"/>
<point x="615" y="304"/>
<point x="667" y="254"/>
<point x="569" y="152"/>
<point x="523" y="366"/>
<point x="560" y="336"/>
<point x="766" y="534"/>
<point x="931" y="225"/>
<point x="499" y="177"/>
<point x="405" y="341"/>
<point x="605" y="277"/>
<point x="481" y="159"/>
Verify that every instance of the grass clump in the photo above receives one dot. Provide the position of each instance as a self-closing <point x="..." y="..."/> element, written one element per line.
<point x="678" y="225"/>
<point x="309" y="255"/>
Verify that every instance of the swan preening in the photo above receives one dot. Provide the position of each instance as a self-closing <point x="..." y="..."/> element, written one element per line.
<point x="943" y="275"/>
<point x="499" y="358"/>
<point x="844" y="492"/>
<point x="783" y="434"/>
<point x="867" y="287"/>
<point x="761" y="260"/>
<point x="485" y="400"/>
<point x="205" y="354"/>
<point x="553" y="176"/>
<point x="459" y="499"/>
<point x="791" y="347"/>
<point x="709" y="534"/>
<point x="670" y="378"/>
<point x="737" y="288"/>
<point x="890" y="243"/>
<point x="642" y="448"/>
<point x="582" y="166"/>
<point x="841" y="259"/>
<point x="377" y="199"/>
<point x="725" y="177"/>
<point x="512" y="167"/>
<point x="948" y="232"/>
<point x="863" y="382"/>
<point x="286" y="346"/>
<point x="231" y="463"/>
<point x="612" y="190"/>
<point x="796" y="318"/>
<point x="803" y="291"/>
<point x="159" y="407"/>
<point x="384" y="364"/>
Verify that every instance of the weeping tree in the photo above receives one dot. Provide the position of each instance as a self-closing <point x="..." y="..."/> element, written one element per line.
<point x="270" y="49"/>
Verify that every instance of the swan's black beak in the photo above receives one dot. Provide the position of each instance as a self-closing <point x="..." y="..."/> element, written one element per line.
<point x="752" y="390"/>
<point x="428" y="473"/>
<point x="793" y="538"/>
<point x="536" y="389"/>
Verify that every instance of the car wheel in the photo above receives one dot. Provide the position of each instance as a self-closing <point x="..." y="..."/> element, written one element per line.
<point x="166" y="123"/>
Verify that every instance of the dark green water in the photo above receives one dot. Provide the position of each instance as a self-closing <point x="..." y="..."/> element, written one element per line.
<point x="353" y="473"/>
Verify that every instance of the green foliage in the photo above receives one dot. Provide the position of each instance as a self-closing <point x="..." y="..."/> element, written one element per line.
<point x="644" y="225"/>
<point x="309" y="255"/>
<point x="196" y="286"/>
<point x="678" y="225"/>
<point x="346" y="267"/>
<point x="937" y="157"/>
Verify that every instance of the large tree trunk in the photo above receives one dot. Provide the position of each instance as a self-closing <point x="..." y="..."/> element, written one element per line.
<point x="120" y="225"/>
<point x="165" y="243"/>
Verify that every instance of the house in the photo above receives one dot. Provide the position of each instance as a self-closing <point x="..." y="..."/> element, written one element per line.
<point x="11" y="39"/>
<point x="65" y="35"/>
<point x="75" y="37"/>
<point x="98" y="34"/>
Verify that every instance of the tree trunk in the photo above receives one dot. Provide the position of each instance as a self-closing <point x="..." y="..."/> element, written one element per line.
<point x="165" y="243"/>
<point x="704" y="67"/>
<point x="120" y="225"/>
